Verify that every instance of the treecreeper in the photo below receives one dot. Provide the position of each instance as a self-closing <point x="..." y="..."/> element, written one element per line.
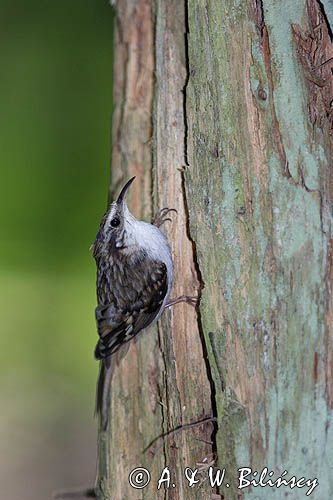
<point x="134" y="281"/>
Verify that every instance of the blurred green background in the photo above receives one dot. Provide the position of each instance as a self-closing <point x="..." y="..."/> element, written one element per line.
<point x="55" y="119"/>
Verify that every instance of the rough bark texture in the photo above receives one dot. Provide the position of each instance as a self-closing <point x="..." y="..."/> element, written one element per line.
<point x="259" y="191"/>
<point x="185" y="389"/>
<point x="224" y="112"/>
<point x="162" y="383"/>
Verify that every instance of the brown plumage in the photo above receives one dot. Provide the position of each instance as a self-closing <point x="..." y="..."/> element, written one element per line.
<point x="134" y="278"/>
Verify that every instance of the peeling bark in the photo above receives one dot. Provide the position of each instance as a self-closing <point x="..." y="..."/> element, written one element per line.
<point x="224" y="112"/>
<point x="263" y="209"/>
<point x="163" y="382"/>
<point x="185" y="389"/>
<point x="135" y="408"/>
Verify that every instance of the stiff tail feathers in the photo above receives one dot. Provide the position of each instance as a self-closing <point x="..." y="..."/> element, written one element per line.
<point x="103" y="393"/>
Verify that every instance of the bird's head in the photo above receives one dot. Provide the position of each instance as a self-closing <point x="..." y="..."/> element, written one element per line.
<point x="116" y="226"/>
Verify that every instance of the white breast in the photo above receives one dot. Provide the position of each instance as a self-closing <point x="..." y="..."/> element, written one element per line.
<point x="156" y="245"/>
<point x="152" y="240"/>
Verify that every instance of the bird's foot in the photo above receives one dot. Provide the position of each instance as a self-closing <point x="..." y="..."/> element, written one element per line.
<point x="160" y="217"/>
<point x="192" y="301"/>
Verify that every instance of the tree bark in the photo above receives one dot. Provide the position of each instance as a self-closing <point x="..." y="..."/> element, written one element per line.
<point x="224" y="112"/>
<point x="162" y="383"/>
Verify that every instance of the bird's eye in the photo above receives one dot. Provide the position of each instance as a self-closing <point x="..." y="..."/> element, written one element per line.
<point x="115" y="222"/>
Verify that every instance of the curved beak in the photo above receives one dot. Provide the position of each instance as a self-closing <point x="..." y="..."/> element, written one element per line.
<point x="123" y="192"/>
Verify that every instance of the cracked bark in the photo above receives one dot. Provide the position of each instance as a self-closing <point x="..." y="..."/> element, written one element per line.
<point x="223" y="111"/>
<point x="162" y="383"/>
<point x="263" y="207"/>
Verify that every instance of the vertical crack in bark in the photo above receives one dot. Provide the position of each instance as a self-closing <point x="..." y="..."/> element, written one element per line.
<point x="259" y="17"/>
<point x="200" y="327"/>
<point x="194" y="250"/>
<point x="179" y="329"/>
<point x="323" y="13"/>
<point x="187" y="66"/>
<point x="164" y="421"/>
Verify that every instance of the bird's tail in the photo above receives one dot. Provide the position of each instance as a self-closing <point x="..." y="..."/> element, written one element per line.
<point x="103" y="392"/>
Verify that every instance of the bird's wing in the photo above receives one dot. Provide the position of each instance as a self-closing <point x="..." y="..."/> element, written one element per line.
<point x="118" y="326"/>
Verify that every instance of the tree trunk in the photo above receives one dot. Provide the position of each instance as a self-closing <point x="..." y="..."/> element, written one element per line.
<point x="224" y="112"/>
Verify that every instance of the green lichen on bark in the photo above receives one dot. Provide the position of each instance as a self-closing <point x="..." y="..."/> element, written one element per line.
<point x="260" y="218"/>
<point x="162" y="382"/>
<point x="258" y="148"/>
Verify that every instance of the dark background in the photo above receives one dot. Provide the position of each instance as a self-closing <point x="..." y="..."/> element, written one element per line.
<point x="55" y="118"/>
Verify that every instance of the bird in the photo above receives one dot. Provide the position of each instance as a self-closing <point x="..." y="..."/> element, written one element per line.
<point x="133" y="284"/>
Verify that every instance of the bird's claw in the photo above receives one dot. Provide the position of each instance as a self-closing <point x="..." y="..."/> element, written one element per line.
<point x="160" y="217"/>
<point x="192" y="301"/>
